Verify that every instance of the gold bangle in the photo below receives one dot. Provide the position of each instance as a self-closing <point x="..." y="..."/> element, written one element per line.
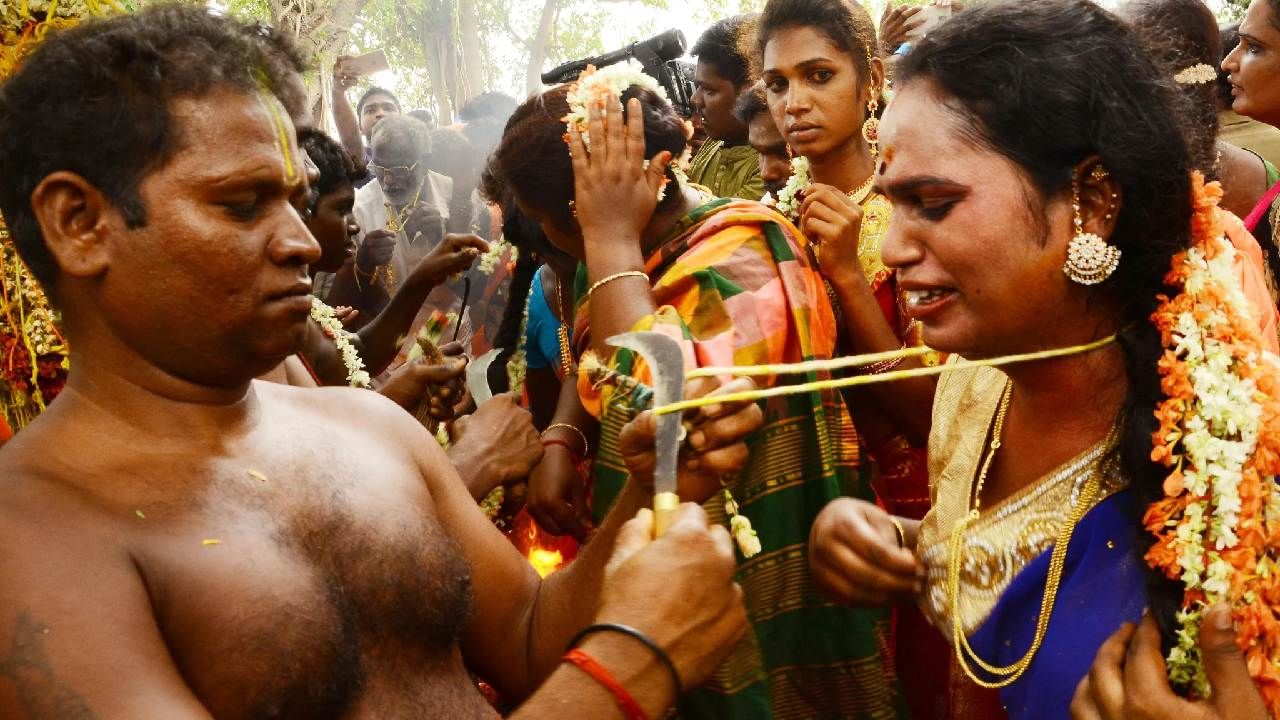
<point x="606" y="280"/>
<point x="586" y="446"/>
<point x="902" y="534"/>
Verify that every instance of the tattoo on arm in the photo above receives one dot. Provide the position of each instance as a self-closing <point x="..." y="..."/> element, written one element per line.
<point x="43" y="695"/>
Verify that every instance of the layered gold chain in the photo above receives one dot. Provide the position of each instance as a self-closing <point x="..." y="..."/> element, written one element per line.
<point x="1008" y="674"/>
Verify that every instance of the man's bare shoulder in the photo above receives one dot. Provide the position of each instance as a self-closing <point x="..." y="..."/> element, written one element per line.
<point x="342" y="407"/>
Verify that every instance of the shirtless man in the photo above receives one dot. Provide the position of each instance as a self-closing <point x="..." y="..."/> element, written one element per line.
<point x="182" y="541"/>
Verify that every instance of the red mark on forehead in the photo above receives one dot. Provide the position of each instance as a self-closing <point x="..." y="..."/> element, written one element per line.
<point x="886" y="157"/>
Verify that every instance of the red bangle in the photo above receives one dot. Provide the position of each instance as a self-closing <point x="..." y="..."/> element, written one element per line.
<point x="630" y="708"/>
<point x="557" y="441"/>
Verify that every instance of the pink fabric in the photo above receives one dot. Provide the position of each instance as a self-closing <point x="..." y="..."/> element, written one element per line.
<point x="1249" y="264"/>
<point x="1260" y="210"/>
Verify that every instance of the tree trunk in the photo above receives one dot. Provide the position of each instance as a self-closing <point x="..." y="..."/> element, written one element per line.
<point x="540" y="45"/>
<point x="432" y="53"/>
<point x="472" y="75"/>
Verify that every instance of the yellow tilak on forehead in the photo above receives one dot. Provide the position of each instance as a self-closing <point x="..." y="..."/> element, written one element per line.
<point x="274" y="109"/>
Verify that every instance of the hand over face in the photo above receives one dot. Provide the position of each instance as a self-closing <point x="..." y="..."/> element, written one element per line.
<point x="375" y="250"/>
<point x="855" y="557"/>
<point x="715" y="444"/>
<point x="454" y="254"/>
<point x="613" y="191"/>
<point x="1128" y="680"/>
<point x="495" y="445"/>
<point x="677" y="589"/>
<point x="440" y="385"/>
<point x="833" y="223"/>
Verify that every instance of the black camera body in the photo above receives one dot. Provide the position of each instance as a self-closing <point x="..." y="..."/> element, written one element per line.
<point x="659" y="56"/>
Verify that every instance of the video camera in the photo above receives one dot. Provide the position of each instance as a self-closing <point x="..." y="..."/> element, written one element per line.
<point x="659" y="57"/>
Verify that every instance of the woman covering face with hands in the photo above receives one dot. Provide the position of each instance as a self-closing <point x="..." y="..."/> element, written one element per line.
<point x="733" y="282"/>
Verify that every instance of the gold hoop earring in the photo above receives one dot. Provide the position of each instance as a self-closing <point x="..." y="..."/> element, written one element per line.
<point x="871" y="128"/>
<point x="1090" y="259"/>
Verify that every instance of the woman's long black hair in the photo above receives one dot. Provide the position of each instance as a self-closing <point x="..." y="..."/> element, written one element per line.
<point x="1048" y="84"/>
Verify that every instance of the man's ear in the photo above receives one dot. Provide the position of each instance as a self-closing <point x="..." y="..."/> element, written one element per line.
<point x="74" y="218"/>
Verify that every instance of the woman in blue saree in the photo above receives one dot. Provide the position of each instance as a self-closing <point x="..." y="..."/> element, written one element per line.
<point x="1038" y="166"/>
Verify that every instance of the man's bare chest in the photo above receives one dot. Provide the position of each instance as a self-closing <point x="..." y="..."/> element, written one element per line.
<point x="285" y="584"/>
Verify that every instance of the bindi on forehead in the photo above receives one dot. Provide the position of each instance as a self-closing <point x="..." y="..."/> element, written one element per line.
<point x="887" y="154"/>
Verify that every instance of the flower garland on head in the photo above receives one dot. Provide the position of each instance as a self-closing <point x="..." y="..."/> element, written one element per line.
<point x="595" y="85"/>
<point x="1217" y="528"/>
<point x="324" y="317"/>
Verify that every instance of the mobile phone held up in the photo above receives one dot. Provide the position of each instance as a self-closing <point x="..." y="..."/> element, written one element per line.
<point x="366" y="64"/>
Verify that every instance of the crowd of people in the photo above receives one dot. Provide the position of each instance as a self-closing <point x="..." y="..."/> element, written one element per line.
<point x="992" y="294"/>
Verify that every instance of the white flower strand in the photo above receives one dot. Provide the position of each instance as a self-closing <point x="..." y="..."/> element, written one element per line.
<point x="786" y="202"/>
<point x="323" y="316"/>
<point x="594" y="85"/>
<point x="1220" y="435"/>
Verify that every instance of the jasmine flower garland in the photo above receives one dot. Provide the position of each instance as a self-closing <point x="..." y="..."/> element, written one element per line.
<point x="323" y="316"/>
<point x="787" y="203"/>
<point x="1217" y="526"/>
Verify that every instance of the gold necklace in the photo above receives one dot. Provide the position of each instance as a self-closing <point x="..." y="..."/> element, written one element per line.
<point x="395" y="223"/>
<point x="965" y="654"/>
<point x="861" y="192"/>
<point x="562" y="333"/>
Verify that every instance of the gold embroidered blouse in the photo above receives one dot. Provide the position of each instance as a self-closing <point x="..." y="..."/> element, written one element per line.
<point x="1010" y="534"/>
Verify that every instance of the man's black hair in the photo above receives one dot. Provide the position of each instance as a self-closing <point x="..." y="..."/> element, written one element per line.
<point x="335" y="165"/>
<point x="375" y="90"/>
<point x="95" y="100"/>
<point x="750" y="103"/>
<point x="718" y="46"/>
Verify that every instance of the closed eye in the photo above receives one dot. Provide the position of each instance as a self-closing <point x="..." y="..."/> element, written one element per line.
<point x="243" y="211"/>
<point x="935" y="209"/>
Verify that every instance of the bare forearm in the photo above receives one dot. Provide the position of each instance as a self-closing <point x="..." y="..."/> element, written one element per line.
<point x="370" y="297"/>
<point x="909" y="402"/>
<point x="344" y="290"/>
<point x="378" y="339"/>
<point x="569" y="411"/>
<point x="616" y="305"/>
<point x="344" y="118"/>
<point x="569" y="599"/>
<point x="570" y="692"/>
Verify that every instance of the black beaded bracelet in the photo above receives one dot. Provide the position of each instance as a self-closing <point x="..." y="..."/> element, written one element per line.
<point x="639" y="636"/>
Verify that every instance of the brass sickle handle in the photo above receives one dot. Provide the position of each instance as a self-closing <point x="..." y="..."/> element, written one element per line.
<point x="665" y="505"/>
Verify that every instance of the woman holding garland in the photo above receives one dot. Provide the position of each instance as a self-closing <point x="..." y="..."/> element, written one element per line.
<point x="733" y="281"/>
<point x="818" y="63"/>
<point x="1254" y="73"/>
<point x="1044" y="199"/>
<point x="823" y="81"/>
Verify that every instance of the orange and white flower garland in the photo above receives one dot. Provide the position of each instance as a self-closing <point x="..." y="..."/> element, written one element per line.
<point x="595" y="85"/>
<point x="1217" y="527"/>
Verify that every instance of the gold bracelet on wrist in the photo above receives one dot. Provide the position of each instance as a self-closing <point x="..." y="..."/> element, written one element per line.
<point x="586" y="446"/>
<point x="616" y="276"/>
<point x="902" y="533"/>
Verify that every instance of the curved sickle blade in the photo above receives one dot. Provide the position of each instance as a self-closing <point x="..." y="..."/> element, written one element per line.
<point x="478" y="377"/>
<point x="665" y="359"/>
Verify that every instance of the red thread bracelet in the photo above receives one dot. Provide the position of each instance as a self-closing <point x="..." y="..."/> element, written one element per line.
<point x="557" y="441"/>
<point x="630" y="708"/>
